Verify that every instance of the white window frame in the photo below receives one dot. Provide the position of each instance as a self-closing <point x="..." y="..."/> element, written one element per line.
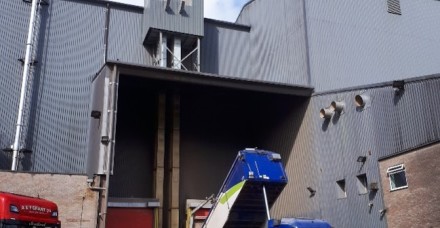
<point x="394" y="170"/>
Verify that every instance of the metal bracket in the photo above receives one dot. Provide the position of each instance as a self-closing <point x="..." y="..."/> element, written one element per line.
<point x="105" y="140"/>
<point x="32" y="63"/>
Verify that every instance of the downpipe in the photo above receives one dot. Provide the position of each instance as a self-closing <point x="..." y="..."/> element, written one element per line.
<point x="27" y="59"/>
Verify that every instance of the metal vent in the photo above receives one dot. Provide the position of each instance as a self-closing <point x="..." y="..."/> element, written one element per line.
<point x="394" y="7"/>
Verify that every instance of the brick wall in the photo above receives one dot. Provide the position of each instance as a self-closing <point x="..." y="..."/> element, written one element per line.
<point x="77" y="205"/>
<point x="419" y="204"/>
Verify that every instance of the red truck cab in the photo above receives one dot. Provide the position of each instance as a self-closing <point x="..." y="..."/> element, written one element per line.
<point x="18" y="211"/>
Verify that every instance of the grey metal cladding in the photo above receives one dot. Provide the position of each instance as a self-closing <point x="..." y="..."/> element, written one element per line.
<point x="94" y="156"/>
<point x="337" y="143"/>
<point x="225" y="50"/>
<point x="278" y="41"/>
<point x="70" y="51"/>
<point x="295" y="200"/>
<point x="355" y="43"/>
<point x="387" y="125"/>
<point x="14" y="18"/>
<point x="411" y="119"/>
<point x="394" y="6"/>
<point x="126" y="36"/>
<point x="188" y="22"/>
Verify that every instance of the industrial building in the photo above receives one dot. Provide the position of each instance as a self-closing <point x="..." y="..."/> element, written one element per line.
<point x="130" y="111"/>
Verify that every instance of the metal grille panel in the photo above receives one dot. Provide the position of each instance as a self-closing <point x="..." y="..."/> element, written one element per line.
<point x="394" y="7"/>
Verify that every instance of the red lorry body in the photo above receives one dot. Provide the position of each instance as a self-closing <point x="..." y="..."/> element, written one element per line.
<point x="18" y="211"/>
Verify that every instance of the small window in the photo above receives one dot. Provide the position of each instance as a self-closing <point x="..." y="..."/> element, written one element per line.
<point x="340" y="189"/>
<point x="394" y="7"/>
<point x="397" y="175"/>
<point x="362" y="184"/>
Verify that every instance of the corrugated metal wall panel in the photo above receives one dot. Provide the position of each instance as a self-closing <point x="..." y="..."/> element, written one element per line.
<point x="70" y="51"/>
<point x="190" y="22"/>
<point x="295" y="200"/>
<point x="225" y="51"/>
<point x="126" y="36"/>
<point x="411" y="117"/>
<point x="72" y="35"/>
<point x="278" y="44"/>
<point x="337" y="144"/>
<point x="359" y="43"/>
<point x="389" y="124"/>
<point x="434" y="105"/>
<point x="14" y="18"/>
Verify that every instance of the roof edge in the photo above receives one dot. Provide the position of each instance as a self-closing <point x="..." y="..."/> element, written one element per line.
<point x="242" y="8"/>
<point x="228" y="24"/>
<point x="377" y="85"/>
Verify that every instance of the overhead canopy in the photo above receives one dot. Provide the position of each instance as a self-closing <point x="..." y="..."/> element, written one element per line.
<point x="192" y="77"/>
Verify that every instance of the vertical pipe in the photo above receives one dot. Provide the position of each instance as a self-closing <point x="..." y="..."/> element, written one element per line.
<point x="159" y="50"/>
<point x="306" y="39"/>
<point x="107" y="22"/>
<point x="162" y="50"/>
<point x="198" y="54"/>
<point x="266" y="203"/>
<point x="27" y="60"/>
<point x="177" y="51"/>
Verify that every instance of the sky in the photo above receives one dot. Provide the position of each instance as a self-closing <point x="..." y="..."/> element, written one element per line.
<point x="225" y="10"/>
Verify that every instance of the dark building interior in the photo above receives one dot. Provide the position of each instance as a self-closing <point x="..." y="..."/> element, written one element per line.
<point x="215" y="123"/>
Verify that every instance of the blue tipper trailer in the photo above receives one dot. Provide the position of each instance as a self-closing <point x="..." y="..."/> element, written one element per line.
<point x="254" y="182"/>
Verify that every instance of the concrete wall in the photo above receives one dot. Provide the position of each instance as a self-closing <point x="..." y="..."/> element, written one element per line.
<point x="77" y="205"/>
<point x="418" y="205"/>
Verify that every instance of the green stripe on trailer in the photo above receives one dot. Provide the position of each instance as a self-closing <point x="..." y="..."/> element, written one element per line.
<point x="231" y="192"/>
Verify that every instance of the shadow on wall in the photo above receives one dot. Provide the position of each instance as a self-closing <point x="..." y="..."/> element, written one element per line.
<point x="325" y="124"/>
<point x="398" y="96"/>
<point x="5" y="161"/>
<point x="217" y="123"/>
<point x="371" y="196"/>
<point x="209" y="61"/>
<point x="288" y="114"/>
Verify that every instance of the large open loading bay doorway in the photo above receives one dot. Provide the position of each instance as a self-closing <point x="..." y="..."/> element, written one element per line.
<point x="177" y="141"/>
